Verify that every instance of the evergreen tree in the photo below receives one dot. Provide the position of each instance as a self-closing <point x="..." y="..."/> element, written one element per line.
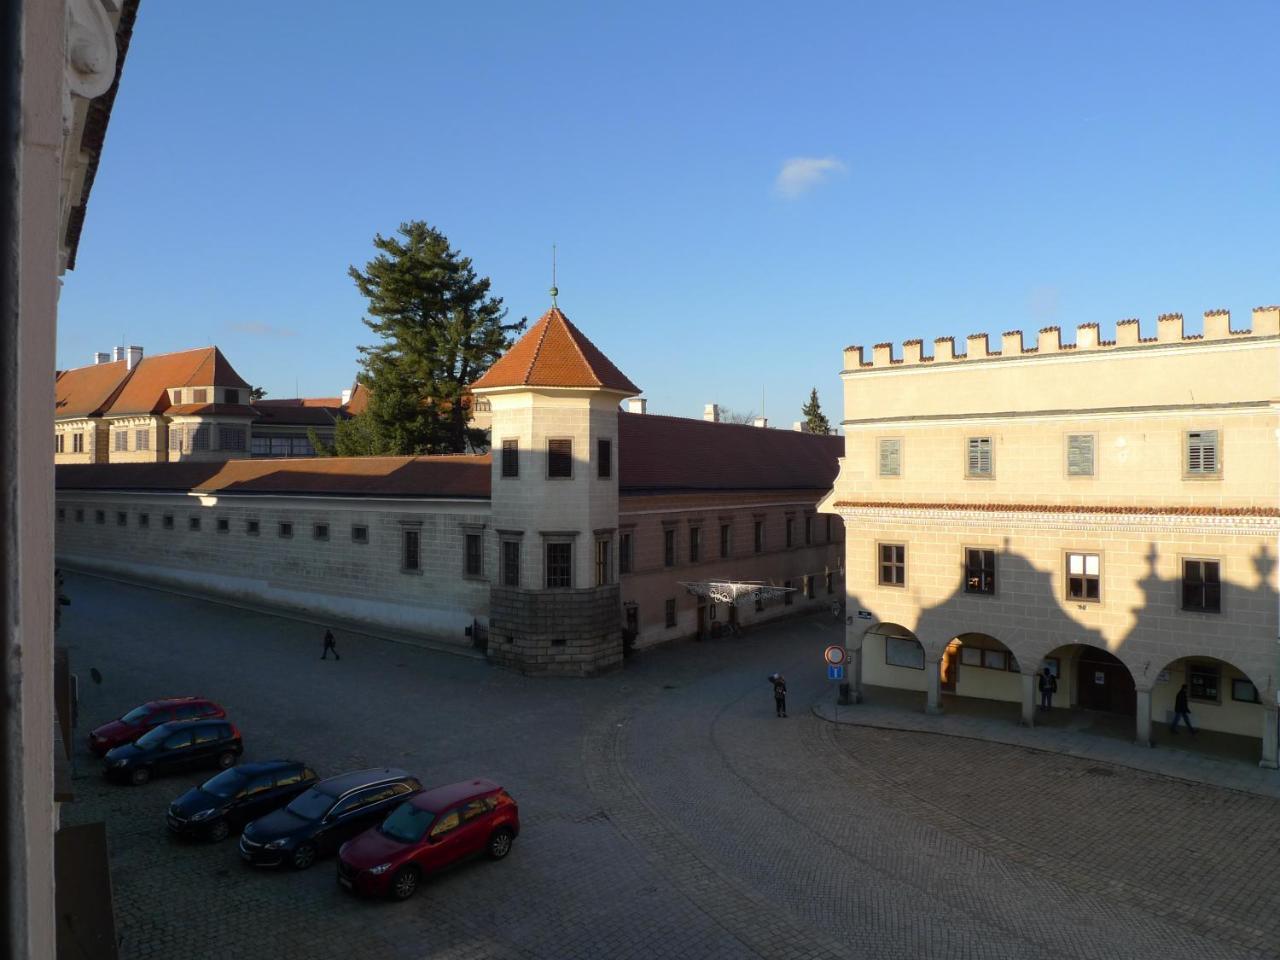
<point x="440" y="330"/>
<point x="813" y="415"/>
<point x="257" y="393"/>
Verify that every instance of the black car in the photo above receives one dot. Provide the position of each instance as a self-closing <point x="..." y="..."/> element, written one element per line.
<point x="175" y="746"/>
<point x="322" y="819"/>
<point x="232" y="798"/>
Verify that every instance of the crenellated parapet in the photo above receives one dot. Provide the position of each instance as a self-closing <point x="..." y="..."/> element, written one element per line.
<point x="978" y="346"/>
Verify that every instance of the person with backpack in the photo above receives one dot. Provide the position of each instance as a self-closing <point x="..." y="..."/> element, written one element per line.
<point x="1048" y="687"/>
<point x="779" y="693"/>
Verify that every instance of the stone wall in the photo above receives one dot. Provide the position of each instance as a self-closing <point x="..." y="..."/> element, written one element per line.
<point x="316" y="566"/>
<point x="574" y="633"/>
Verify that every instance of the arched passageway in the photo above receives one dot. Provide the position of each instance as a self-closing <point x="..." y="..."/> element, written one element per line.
<point x="1224" y="705"/>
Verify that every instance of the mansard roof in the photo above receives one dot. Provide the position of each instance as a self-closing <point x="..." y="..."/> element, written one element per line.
<point x="657" y="453"/>
<point x="86" y="391"/>
<point x="465" y="477"/>
<point x="147" y="390"/>
<point x="555" y="353"/>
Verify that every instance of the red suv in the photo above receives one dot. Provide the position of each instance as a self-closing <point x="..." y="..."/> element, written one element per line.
<point x="151" y="714"/>
<point x="429" y="832"/>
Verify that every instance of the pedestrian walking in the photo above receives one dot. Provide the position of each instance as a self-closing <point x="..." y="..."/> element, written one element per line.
<point x="1048" y="687"/>
<point x="330" y="644"/>
<point x="779" y="693"/>
<point x="1181" y="711"/>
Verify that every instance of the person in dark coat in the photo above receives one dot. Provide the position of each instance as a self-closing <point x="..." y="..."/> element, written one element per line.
<point x="779" y="693"/>
<point x="330" y="644"/>
<point x="1181" y="711"/>
<point x="1048" y="687"/>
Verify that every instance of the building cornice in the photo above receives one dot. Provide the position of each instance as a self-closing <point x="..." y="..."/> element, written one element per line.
<point x="1243" y="407"/>
<point x="1262" y="520"/>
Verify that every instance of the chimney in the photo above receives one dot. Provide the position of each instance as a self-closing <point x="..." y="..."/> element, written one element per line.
<point x="800" y="426"/>
<point x="711" y="413"/>
<point x="761" y="421"/>
<point x="117" y="353"/>
<point x="637" y="405"/>
<point x="133" y="356"/>
<point x="101" y="357"/>
<point x="346" y="396"/>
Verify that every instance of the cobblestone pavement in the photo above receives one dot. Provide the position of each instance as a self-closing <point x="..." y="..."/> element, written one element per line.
<point x="666" y="811"/>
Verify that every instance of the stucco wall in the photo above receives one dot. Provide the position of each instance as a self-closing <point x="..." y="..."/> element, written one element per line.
<point x="322" y="577"/>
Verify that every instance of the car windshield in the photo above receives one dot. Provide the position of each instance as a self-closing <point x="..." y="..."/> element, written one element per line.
<point x="311" y="805"/>
<point x="225" y="785"/>
<point x="153" y="736"/>
<point x="406" y="823"/>
<point x="136" y="714"/>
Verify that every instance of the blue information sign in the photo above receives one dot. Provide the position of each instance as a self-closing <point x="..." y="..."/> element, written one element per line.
<point x="835" y="673"/>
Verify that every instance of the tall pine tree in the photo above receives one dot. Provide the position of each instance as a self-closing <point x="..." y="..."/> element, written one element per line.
<point x="814" y="418"/>
<point x="440" y="330"/>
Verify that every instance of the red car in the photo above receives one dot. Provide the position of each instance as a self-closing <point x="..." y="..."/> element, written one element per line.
<point x="428" y="832"/>
<point x="151" y="714"/>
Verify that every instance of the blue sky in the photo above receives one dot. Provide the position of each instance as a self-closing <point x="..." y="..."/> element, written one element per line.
<point x="737" y="190"/>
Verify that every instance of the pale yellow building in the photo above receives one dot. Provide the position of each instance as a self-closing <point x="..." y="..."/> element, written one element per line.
<point x="1109" y="510"/>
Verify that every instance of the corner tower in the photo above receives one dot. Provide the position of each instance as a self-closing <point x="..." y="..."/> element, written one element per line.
<point x="554" y="604"/>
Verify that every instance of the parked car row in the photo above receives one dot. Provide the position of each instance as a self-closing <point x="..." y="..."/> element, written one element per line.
<point x="387" y="830"/>
<point x="162" y="736"/>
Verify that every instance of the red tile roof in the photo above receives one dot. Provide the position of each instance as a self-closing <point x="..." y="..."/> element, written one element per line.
<point x="212" y="410"/>
<point x="86" y="391"/>
<point x="359" y="401"/>
<point x="283" y="415"/>
<point x="555" y="353"/>
<point x="658" y="453"/>
<point x="146" y="391"/>
<point x="428" y="477"/>
<point x="333" y="402"/>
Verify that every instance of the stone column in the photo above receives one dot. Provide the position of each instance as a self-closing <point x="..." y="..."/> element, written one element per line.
<point x="1143" y="732"/>
<point x="1028" y="699"/>
<point x="933" y="669"/>
<point x="1270" y="736"/>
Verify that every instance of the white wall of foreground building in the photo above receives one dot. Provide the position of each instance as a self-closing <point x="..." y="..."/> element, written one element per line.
<point x="335" y="575"/>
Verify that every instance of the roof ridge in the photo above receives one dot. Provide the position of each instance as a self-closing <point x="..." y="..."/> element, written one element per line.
<point x="574" y="334"/>
<point x="537" y="350"/>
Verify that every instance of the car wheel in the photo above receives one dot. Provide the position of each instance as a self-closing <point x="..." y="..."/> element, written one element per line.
<point x="405" y="883"/>
<point x="304" y="856"/>
<point x="218" y="831"/>
<point x="139" y="776"/>
<point x="225" y="760"/>
<point x="500" y="843"/>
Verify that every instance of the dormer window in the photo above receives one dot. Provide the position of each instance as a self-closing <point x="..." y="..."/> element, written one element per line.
<point x="231" y="396"/>
<point x="200" y="395"/>
<point x="177" y="396"/>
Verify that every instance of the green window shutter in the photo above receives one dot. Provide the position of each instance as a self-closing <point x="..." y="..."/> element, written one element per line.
<point x="979" y="456"/>
<point x="1080" y="455"/>
<point x="1202" y="451"/>
<point x="890" y="458"/>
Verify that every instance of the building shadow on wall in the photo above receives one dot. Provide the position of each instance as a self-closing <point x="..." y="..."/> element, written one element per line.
<point x="1212" y="627"/>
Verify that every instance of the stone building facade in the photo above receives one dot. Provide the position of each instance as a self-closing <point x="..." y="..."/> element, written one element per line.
<point x="573" y="540"/>
<point x="1108" y="510"/>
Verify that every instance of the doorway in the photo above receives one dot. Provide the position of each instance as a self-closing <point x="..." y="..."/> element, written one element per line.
<point x="702" y="621"/>
<point x="1104" y="683"/>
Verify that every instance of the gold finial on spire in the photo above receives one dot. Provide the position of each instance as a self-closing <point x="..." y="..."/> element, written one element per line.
<point x="554" y="292"/>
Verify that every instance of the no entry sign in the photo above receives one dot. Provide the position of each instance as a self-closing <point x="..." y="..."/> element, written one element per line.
<point x="834" y="655"/>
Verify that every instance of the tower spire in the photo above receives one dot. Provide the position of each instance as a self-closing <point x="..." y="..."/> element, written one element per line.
<point x="554" y="292"/>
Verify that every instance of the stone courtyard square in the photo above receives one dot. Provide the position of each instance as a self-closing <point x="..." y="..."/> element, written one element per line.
<point x="666" y="811"/>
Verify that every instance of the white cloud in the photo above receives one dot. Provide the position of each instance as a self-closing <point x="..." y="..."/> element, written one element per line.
<point x="799" y="175"/>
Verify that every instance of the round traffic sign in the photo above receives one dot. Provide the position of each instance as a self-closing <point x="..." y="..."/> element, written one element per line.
<point x="834" y="655"/>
